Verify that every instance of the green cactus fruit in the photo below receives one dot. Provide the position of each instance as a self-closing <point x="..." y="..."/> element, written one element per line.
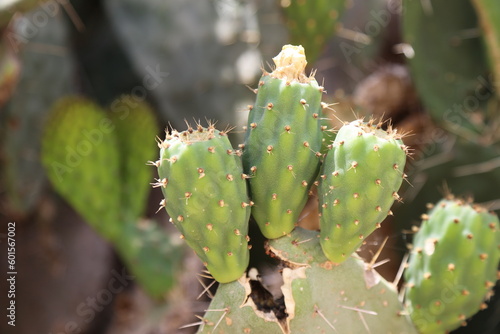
<point x="318" y="296"/>
<point x="81" y="160"/>
<point x="312" y="23"/>
<point x="453" y="265"/>
<point x="359" y="181"/>
<point x="283" y="140"/>
<point x="135" y="125"/>
<point x="206" y="197"/>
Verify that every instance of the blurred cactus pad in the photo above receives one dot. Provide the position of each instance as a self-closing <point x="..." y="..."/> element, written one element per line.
<point x="96" y="160"/>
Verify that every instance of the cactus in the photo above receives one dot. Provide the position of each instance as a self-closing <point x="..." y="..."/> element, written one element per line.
<point x="360" y="178"/>
<point x="134" y="123"/>
<point x="96" y="161"/>
<point x="206" y="197"/>
<point x="358" y="182"/>
<point x="448" y="75"/>
<point x="21" y="118"/>
<point x="351" y="304"/>
<point x="312" y="23"/>
<point x="78" y="141"/>
<point x="488" y="12"/>
<point x="281" y="152"/>
<point x="453" y="265"/>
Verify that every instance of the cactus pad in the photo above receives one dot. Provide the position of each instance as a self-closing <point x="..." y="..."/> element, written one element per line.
<point x="360" y="178"/>
<point x="282" y="143"/>
<point x="312" y="23"/>
<point x="453" y="265"/>
<point x="206" y="197"/>
<point x="310" y="305"/>
<point x="81" y="160"/>
<point x="135" y="125"/>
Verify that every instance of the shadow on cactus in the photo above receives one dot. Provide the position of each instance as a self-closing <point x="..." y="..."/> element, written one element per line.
<point x="96" y="161"/>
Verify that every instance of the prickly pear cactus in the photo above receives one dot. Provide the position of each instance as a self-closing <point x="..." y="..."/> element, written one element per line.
<point x="135" y="124"/>
<point x="453" y="265"/>
<point x="359" y="181"/>
<point x="349" y="305"/>
<point x="81" y="160"/>
<point x="283" y="141"/>
<point x="488" y="12"/>
<point x="448" y="66"/>
<point x="206" y="197"/>
<point x="96" y="161"/>
<point x="312" y="23"/>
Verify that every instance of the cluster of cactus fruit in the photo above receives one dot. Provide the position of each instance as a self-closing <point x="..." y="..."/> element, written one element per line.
<point x="211" y="190"/>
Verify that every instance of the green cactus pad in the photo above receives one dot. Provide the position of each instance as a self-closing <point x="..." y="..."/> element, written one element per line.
<point x="81" y="160"/>
<point x="453" y="265"/>
<point x="359" y="181"/>
<point x="312" y="23"/>
<point x="319" y="297"/>
<point x="449" y="68"/>
<point x="135" y="125"/>
<point x="488" y="12"/>
<point x="206" y="197"/>
<point x="153" y="256"/>
<point x="282" y="143"/>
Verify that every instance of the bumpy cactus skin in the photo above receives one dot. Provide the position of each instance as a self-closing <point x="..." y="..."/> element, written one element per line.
<point x="206" y="197"/>
<point x="319" y="296"/>
<point x="359" y="182"/>
<point x="453" y="265"/>
<point x="282" y="143"/>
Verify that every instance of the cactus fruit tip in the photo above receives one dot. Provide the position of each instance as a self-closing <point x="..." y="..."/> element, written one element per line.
<point x="290" y="64"/>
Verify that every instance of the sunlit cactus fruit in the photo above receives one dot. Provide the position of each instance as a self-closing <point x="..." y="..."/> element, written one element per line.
<point x="206" y="197"/>
<point x="283" y="140"/>
<point x="453" y="265"/>
<point x="359" y="181"/>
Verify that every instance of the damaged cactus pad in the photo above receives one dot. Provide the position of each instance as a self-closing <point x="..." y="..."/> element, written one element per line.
<point x="348" y="303"/>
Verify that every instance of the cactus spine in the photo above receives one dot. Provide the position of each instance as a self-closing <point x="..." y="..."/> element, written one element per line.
<point x="282" y="143"/>
<point x="359" y="181"/>
<point x="206" y="197"/>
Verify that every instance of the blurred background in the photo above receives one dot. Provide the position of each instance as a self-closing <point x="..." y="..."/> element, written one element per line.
<point x="93" y="255"/>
